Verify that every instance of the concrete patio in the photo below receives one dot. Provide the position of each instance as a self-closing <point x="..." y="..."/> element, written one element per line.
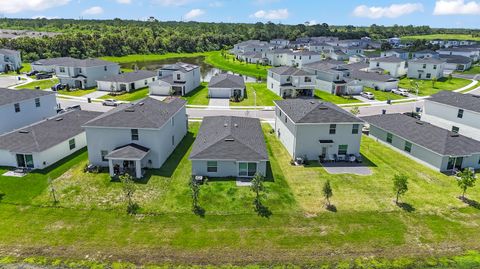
<point x="347" y="168"/>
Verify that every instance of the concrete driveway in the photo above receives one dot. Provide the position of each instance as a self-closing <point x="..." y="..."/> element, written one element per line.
<point x="7" y="81"/>
<point x="219" y="102"/>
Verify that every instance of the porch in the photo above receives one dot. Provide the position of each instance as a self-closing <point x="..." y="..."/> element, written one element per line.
<point x="127" y="159"/>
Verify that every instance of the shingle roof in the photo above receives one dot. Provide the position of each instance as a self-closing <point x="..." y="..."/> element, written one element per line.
<point x="388" y="59"/>
<point x="464" y="101"/>
<point x="312" y="111"/>
<point x="289" y="71"/>
<point x="148" y="113"/>
<point x="129" y="152"/>
<point x="441" y="141"/>
<point x="72" y="62"/>
<point x="226" y="81"/>
<point x="181" y="67"/>
<point x="325" y="65"/>
<point x="363" y="75"/>
<point x="8" y="51"/>
<point x="130" y="76"/>
<point x="230" y="138"/>
<point x="456" y="59"/>
<point x="47" y="133"/>
<point x="53" y="61"/>
<point x="426" y="61"/>
<point x="8" y="96"/>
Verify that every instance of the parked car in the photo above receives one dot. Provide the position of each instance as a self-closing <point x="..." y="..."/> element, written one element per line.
<point x="110" y="102"/>
<point x="32" y="73"/>
<point x="60" y="86"/>
<point x="368" y="95"/>
<point x="401" y="92"/>
<point x="43" y="76"/>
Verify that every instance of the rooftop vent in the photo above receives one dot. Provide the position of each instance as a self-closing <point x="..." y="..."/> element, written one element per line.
<point x="323" y="108"/>
<point x="454" y="135"/>
<point x="141" y="103"/>
<point x="24" y="132"/>
<point x="229" y="139"/>
<point x="236" y="125"/>
<point x="419" y="122"/>
<point x="129" y="110"/>
<point x="225" y="125"/>
<point x="59" y="119"/>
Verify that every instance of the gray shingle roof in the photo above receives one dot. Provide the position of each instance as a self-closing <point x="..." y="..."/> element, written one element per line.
<point x="8" y="51"/>
<point x="130" y="76"/>
<point x="456" y="59"/>
<point x="72" y="62"/>
<point x="226" y="81"/>
<point x="464" y="101"/>
<point x="313" y="111"/>
<point x="47" y="133"/>
<point x="426" y="61"/>
<point x="53" y="61"/>
<point x="374" y="76"/>
<point x="326" y="65"/>
<point x="181" y="67"/>
<point x="289" y="71"/>
<point x="441" y="141"/>
<point x="8" y="96"/>
<point x="148" y="113"/>
<point x="230" y="138"/>
<point x="129" y="152"/>
<point x="388" y="59"/>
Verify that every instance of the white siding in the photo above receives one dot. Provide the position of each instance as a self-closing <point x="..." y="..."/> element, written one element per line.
<point x="224" y="168"/>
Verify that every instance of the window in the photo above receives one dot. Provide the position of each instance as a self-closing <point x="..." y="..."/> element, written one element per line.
<point x="17" y="107"/>
<point x="286" y="119"/>
<point x="271" y="86"/>
<point x="134" y="133"/>
<point x="429" y="75"/>
<point x="247" y="169"/>
<point x="71" y="143"/>
<point x="278" y="132"/>
<point x="408" y="146"/>
<point x="389" y="138"/>
<point x="104" y="153"/>
<point x="355" y="128"/>
<point x="424" y="66"/>
<point x="146" y="82"/>
<point x="62" y="69"/>
<point x="173" y="121"/>
<point x="342" y="149"/>
<point x="333" y="129"/>
<point x="455" y="129"/>
<point x="434" y="66"/>
<point x="37" y="102"/>
<point x="173" y="140"/>
<point x="308" y="79"/>
<point x="460" y="113"/>
<point x="178" y="76"/>
<point x="105" y="68"/>
<point x="212" y="167"/>
<point x="378" y="64"/>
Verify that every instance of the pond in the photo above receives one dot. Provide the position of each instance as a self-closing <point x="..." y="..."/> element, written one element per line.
<point x="207" y="70"/>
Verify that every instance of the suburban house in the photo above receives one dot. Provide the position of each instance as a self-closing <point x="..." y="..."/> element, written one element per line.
<point x="399" y="53"/>
<point x="287" y="57"/>
<point x="425" y="54"/>
<point x="46" y="142"/>
<point x="338" y="55"/>
<point x="374" y="80"/>
<point x="316" y="130"/>
<point x="226" y="86"/>
<point x="426" y="68"/>
<point x="228" y="146"/>
<point x="83" y="74"/>
<point x="127" y="82"/>
<point x="176" y="79"/>
<point x="280" y="43"/>
<point x="319" y="47"/>
<point x="251" y="46"/>
<point x="49" y="65"/>
<point x="333" y="77"/>
<point x="288" y="81"/>
<point x="252" y="57"/>
<point x="20" y="108"/>
<point x="392" y="65"/>
<point x="456" y="62"/>
<point x="358" y="58"/>
<point x="471" y="52"/>
<point x="453" y="43"/>
<point x="395" y="41"/>
<point x="454" y="111"/>
<point x="135" y="136"/>
<point x="438" y="148"/>
<point x="10" y="60"/>
<point x="277" y="57"/>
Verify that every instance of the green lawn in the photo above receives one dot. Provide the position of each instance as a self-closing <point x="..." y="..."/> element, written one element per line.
<point x="199" y="96"/>
<point x="474" y="70"/>
<point x="229" y="63"/>
<point x="26" y="67"/>
<point x="442" y="37"/>
<point x="384" y="96"/>
<point x="334" y="98"/>
<point x="77" y="92"/>
<point x="43" y="84"/>
<point x="426" y="86"/>
<point x="90" y="216"/>
<point x="265" y="97"/>
<point x="128" y="96"/>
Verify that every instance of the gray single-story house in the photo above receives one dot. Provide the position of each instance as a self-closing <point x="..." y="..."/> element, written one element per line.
<point x="126" y="82"/>
<point x="228" y="146"/>
<point x="226" y="86"/>
<point x="438" y="148"/>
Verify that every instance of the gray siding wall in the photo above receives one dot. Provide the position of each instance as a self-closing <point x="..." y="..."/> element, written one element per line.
<point x="285" y="131"/>
<point x="224" y="168"/>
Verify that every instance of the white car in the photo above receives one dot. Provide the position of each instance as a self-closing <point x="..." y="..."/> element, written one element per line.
<point x="401" y="92"/>
<point x="110" y="102"/>
<point x="368" y="95"/>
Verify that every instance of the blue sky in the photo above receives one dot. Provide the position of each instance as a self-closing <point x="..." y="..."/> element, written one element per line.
<point x="436" y="13"/>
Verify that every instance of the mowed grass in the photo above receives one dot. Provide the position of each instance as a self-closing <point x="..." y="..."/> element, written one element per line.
<point x="43" y="84"/>
<point x="128" y="96"/>
<point x="199" y="96"/>
<point x="384" y="96"/>
<point x="265" y="97"/>
<point x="427" y="88"/>
<point x="474" y="70"/>
<point x="334" y="98"/>
<point x="90" y="216"/>
<point x="77" y="92"/>
<point x="229" y="63"/>
<point x="442" y="37"/>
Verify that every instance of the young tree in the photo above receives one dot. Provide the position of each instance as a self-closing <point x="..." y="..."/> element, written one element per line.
<point x="195" y="188"/>
<point x="434" y="81"/>
<point x="355" y="110"/>
<point x="258" y="187"/>
<point x="450" y="77"/>
<point x="129" y="189"/>
<point x="53" y="191"/>
<point x="327" y="192"/>
<point x="400" y="185"/>
<point x="467" y="180"/>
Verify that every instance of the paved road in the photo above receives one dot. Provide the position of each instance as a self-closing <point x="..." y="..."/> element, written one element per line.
<point x="83" y="104"/>
<point x="390" y="109"/>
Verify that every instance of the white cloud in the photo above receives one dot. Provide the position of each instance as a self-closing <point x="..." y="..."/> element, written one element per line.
<point x="124" y="1"/>
<point x="194" y="13"/>
<point x="173" y="3"/>
<point x="312" y="22"/>
<point x="392" y="11"/>
<point x="216" y="4"/>
<point x="276" y="14"/>
<point x="45" y="17"/>
<point x="16" y="6"/>
<point x="96" y="10"/>
<point x="456" y="7"/>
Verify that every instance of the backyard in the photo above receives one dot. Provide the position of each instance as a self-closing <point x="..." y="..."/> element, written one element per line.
<point x="229" y="63"/>
<point x="265" y="97"/>
<point x="89" y="219"/>
<point x="427" y="88"/>
<point x="43" y="84"/>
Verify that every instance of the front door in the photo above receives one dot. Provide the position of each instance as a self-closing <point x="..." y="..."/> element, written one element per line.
<point x="132" y="86"/>
<point x="78" y="84"/>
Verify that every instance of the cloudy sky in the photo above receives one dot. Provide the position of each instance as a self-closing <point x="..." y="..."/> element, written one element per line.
<point x="436" y="13"/>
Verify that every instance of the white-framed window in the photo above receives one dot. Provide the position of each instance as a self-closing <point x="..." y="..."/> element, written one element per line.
<point x="134" y="133"/>
<point x="17" y="107"/>
<point x="37" y="102"/>
<point x="247" y="169"/>
<point x="71" y="143"/>
<point x="212" y="166"/>
<point x="103" y="153"/>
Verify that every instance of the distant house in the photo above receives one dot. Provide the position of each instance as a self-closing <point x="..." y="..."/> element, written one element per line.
<point x="83" y="74"/>
<point x="358" y="58"/>
<point x="280" y="43"/>
<point x="229" y="146"/>
<point x="179" y="79"/>
<point x="19" y="108"/>
<point x="251" y="46"/>
<point x="440" y="149"/>
<point x="46" y="142"/>
<point x="126" y="82"/>
<point x="338" y="55"/>
<point x="426" y="68"/>
<point x="313" y="130"/>
<point x="290" y="82"/>
<point x="399" y="53"/>
<point x="374" y="80"/>
<point x="277" y="57"/>
<point x="472" y="52"/>
<point x="10" y="60"/>
<point x="287" y="57"/>
<point x="394" y="66"/>
<point x="395" y="41"/>
<point x="456" y="62"/>
<point x="136" y="136"/>
<point x="49" y="65"/>
<point x="226" y="86"/>
<point x="252" y="57"/>
<point x="454" y="111"/>
<point x="319" y="47"/>
<point x="425" y="54"/>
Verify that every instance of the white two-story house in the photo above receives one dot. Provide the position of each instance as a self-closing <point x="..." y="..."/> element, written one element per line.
<point x="399" y="53"/>
<point x="472" y="52"/>
<point x="10" y="60"/>
<point x="83" y="74"/>
<point x="176" y="79"/>
<point x="426" y="68"/>
<point x="317" y="130"/>
<point x="19" y="108"/>
<point x="392" y="65"/>
<point x="290" y="82"/>
<point x="136" y="136"/>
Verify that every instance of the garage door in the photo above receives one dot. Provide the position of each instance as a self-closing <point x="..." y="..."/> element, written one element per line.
<point x="219" y="93"/>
